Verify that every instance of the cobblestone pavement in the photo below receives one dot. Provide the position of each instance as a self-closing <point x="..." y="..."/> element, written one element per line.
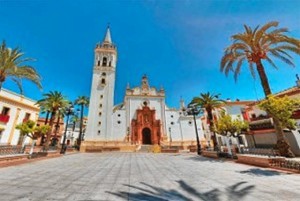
<point x="144" y="176"/>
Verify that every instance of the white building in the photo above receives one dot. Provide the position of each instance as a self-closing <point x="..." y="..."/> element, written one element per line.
<point x="143" y="117"/>
<point x="15" y="109"/>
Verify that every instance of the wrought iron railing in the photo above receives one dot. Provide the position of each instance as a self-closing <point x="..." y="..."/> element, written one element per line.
<point x="287" y="164"/>
<point x="11" y="149"/>
<point x="259" y="151"/>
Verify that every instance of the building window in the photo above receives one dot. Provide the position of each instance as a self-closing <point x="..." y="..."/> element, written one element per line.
<point x="98" y="63"/>
<point x="119" y="115"/>
<point x="100" y="105"/>
<point x="99" y="123"/>
<point x="109" y="64"/>
<point x="5" y="110"/>
<point x="190" y="123"/>
<point x="172" y="123"/>
<point x="172" y="116"/>
<point x="100" y="113"/>
<point x="101" y="96"/>
<point x="102" y="81"/>
<point x="103" y="74"/>
<point x="253" y="116"/>
<point x="104" y="62"/>
<point x="119" y="122"/>
<point x="27" y="117"/>
<point x="99" y="132"/>
<point x="240" y="139"/>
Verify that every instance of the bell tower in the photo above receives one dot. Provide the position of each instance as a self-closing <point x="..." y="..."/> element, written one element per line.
<point x="99" y="125"/>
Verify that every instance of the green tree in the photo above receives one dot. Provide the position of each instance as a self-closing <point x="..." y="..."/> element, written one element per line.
<point x="255" y="45"/>
<point x="209" y="102"/>
<point x="82" y="101"/>
<point x="54" y="101"/>
<point x="13" y="64"/>
<point x="281" y="110"/>
<point x="29" y="129"/>
<point x="227" y="126"/>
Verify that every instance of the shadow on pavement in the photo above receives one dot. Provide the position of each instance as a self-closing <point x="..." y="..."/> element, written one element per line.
<point x="202" y="159"/>
<point x="260" y="172"/>
<point x="152" y="193"/>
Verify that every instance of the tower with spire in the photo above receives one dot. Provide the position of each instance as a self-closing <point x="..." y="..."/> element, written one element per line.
<point x="102" y="90"/>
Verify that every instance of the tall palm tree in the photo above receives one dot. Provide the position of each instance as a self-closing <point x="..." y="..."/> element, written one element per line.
<point x="54" y="101"/>
<point x="209" y="102"/>
<point x="82" y="101"/>
<point x="255" y="45"/>
<point x="12" y="64"/>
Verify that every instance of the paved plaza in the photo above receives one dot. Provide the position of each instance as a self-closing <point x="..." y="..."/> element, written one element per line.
<point x="144" y="176"/>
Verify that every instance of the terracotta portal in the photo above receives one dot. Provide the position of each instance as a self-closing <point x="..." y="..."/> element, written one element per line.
<point x="145" y="129"/>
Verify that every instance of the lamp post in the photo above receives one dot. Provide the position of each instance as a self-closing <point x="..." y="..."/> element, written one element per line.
<point x="170" y="137"/>
<point x="194" y="110"/>
<point x="69" y="111"/>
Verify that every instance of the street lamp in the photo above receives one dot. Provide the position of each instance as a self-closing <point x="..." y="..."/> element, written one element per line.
<point x="192" y="108"/>
<point x="69" y="111"/>
<point x="170" y="136"/>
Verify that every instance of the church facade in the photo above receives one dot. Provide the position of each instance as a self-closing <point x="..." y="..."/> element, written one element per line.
<point x="142" y="118"/>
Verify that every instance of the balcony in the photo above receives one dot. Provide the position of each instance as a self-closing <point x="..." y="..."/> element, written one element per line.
<point x="261" y="124"/>
<point x="4" y="118"/>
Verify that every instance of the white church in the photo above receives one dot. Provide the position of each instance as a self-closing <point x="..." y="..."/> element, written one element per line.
<point x="142" y="119"/>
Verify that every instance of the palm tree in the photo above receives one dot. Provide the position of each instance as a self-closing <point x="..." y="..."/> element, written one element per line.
<point x="209" y="102"/>
<point x="254" y="46"/>
<point x="12" y="64"/>
<point x="54" y="101"/>
<point x="82" y="101"/>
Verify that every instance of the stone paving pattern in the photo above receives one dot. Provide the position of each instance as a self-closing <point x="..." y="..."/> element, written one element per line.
<point x="143" y="176"/>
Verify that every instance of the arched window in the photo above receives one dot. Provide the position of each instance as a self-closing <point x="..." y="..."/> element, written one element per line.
<point x="104" y="62"/>
<point x="102" y="81"/>
<point x="98" y="63"/>
<point x="103" y="74"/>
<point x="109" y="64"/>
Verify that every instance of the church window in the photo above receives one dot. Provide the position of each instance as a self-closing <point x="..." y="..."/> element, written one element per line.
<point x="104" y="62"/>
<point x="190" y="123"/>
<point x="103" y="74"/>
<point x="101" y="96"/>
<point x="109" y="64"/>
<point x="100" y="105"/>
<point x="119" y="122"/>
<point x="100" y="113"/>
<point x="172" y="123"/>
<point x="99" y="123"/>
<point x="119" y="115"/>
<point x="103" y="81"/>
<point x="172" y="116"/>
<point x="98" y="63"/>
<point x="99" y="132"/>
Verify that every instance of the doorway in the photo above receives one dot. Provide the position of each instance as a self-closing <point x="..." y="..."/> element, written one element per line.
<point x="146" y="136"/>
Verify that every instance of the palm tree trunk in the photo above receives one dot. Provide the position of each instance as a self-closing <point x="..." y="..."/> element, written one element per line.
<point x="211" y="126"/>
<point x="80" y="128"/>
<point x="50" y="131"/>
<point x="263" y="78"/>
<point x="47" y="117"/>
<point x="0" y="85"/>
<point x="282" y="144"/>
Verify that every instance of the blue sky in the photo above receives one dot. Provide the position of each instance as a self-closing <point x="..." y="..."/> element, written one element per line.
<point x="178" y="44"/>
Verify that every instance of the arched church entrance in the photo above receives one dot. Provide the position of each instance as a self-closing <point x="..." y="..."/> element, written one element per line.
<point x="146" y="133"/>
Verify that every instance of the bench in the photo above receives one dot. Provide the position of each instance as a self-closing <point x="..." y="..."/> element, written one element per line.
<point x="210" y="154"/>
<point x="111" y="149"/>
<point x="261" y="161"/>
<point x="93" y="149"/>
